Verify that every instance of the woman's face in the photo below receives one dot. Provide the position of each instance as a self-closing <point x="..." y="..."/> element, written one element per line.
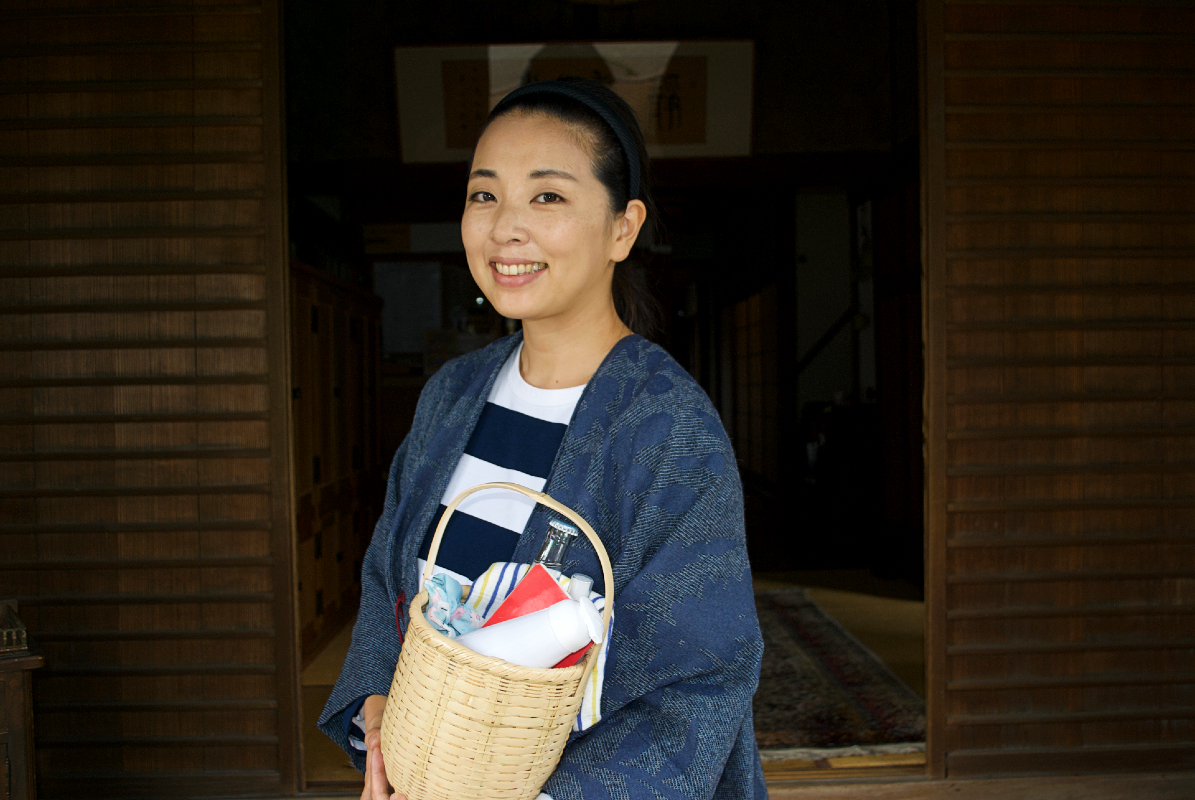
<point x="537" y="227"/>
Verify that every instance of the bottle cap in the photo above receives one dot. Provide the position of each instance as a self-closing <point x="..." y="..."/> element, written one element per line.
<point x="580" y="586"/>
<point x="556" y="543"/>
<point x="564" y="527"/>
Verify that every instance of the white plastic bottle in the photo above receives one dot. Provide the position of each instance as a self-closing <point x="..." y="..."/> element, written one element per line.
<point x="540" y="639"/>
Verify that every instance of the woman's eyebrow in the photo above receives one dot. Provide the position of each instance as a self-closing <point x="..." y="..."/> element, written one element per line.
<point x="482" y="173"/>
<point x="552" y="173"/>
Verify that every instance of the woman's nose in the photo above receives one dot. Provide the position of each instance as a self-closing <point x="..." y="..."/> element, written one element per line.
<point x="508" y="225"/>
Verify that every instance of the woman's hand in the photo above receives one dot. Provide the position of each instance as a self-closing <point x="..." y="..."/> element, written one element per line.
<point x="377" y="787"/>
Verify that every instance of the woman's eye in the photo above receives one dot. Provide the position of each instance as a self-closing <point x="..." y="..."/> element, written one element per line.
<point x="481" y="197"/>
<point x="548" y="197"/>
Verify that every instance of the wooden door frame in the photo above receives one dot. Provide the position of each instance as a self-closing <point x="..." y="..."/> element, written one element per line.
<point x="933" y="330"/>
<point x="282" y="495"/>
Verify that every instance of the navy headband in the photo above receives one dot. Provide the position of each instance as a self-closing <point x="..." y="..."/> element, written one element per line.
<point x="597" y="106"/>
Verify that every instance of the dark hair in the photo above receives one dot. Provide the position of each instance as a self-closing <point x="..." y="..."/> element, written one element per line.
<point x="633" y="299"/>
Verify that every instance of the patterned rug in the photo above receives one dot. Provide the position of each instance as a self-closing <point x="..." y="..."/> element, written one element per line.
<point x="821" y="688"/>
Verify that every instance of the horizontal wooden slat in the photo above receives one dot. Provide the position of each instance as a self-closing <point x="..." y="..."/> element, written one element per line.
<point x="122" y="706"/>
<point x="20" y="346"/>
<point x="1096" y="217"/>
<point x="1077" y="575"/>
<point x="77" y="12"/>
<point x="111" y="123"/>
<point x="1088" y="198"/>
<point x="226" y="740"/>
<point x="1067" y="37"/>
<point x="123" y="784"/>
<point x="1024" y="434"/>
<point x="1108" y="146"/>
<point x="1068" y="17"/>
<point x="1067" y="505"/>
<point x="1069" y="717"/>
<point x="100" y="196"/>
<point x="132" y="233"/>
<point x="134" y="491"/>
<point x="145" y="599"/>
<point x="1054" y="182"/>
<point x="1029" y="612"/>
<point x="1011" y="648"/>
<point x="128" y="159"/>
<point x="1092" y="397"/>
<point x="999" y="106"/>
<point x="131" y="85"/>
<point x="1066" y="251"/>
<point x="116" y="380"/>
<point x="1076" y="289"/>
<point x="127" y="344"/>
<point x="84" y="307"/>
<point x="23" y="529"/>
<point x="61" y="670"/>
<point x="1155" y="756"/>
<point x="138" y="455"/>
<point x="174" y="634"/>
<point x="1063" y="362"/>
<point x="1120" y="468"/>
<point x="1087" y="540"/>
<point x="129" y="270"/>
<point x="1051" y="5"/>
<point x="1030" y="325"/>
<point x="1047" y="56"/>
<point x="1070" y="681"/>
<point x="1147" y="73"/>
<point x="144" y="563"/>
<point x="90" y="49"/>
<point x="127" y="419"/>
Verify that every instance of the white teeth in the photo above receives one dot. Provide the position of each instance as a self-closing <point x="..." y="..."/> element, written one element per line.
<point x="519" y="269"/>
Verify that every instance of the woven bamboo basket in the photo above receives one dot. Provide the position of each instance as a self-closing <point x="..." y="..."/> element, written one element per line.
<point x="462" y="726"/>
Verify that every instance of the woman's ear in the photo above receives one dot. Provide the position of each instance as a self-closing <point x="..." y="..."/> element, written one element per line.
<point x="628" y="226"/>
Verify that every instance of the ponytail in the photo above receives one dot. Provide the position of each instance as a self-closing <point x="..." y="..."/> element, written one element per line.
<point x="634" y="300"/>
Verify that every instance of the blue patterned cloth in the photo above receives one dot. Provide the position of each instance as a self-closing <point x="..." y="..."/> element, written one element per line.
<point x="647" y="463"/>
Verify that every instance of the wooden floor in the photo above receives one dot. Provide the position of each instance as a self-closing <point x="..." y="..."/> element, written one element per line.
<point x="325" y="765"/>
<point x="1145" y="786"/>
<point x="877" y="767"/>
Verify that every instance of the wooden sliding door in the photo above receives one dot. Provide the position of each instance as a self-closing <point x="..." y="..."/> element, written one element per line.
<point x="1059" y="211"/>
<point x="144" y="508"/>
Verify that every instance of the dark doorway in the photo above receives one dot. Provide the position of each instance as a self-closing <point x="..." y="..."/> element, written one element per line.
<point x="789" y="278"/>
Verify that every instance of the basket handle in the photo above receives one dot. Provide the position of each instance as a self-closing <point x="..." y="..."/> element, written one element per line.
<point x="558" y="507"/>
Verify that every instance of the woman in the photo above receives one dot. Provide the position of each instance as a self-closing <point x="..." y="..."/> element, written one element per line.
<point x="580" y="406"/>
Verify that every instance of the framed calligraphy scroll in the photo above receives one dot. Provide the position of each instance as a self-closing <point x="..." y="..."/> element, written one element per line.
<point x="693" y="99"/>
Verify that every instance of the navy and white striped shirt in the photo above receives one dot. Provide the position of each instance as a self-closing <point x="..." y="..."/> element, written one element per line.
<point x="515" y="440"/>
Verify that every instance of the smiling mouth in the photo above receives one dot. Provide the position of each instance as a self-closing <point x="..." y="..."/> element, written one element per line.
<point x="519" y="269"/>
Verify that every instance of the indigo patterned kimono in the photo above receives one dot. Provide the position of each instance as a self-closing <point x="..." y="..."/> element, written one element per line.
<point x="647" y="463"/>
